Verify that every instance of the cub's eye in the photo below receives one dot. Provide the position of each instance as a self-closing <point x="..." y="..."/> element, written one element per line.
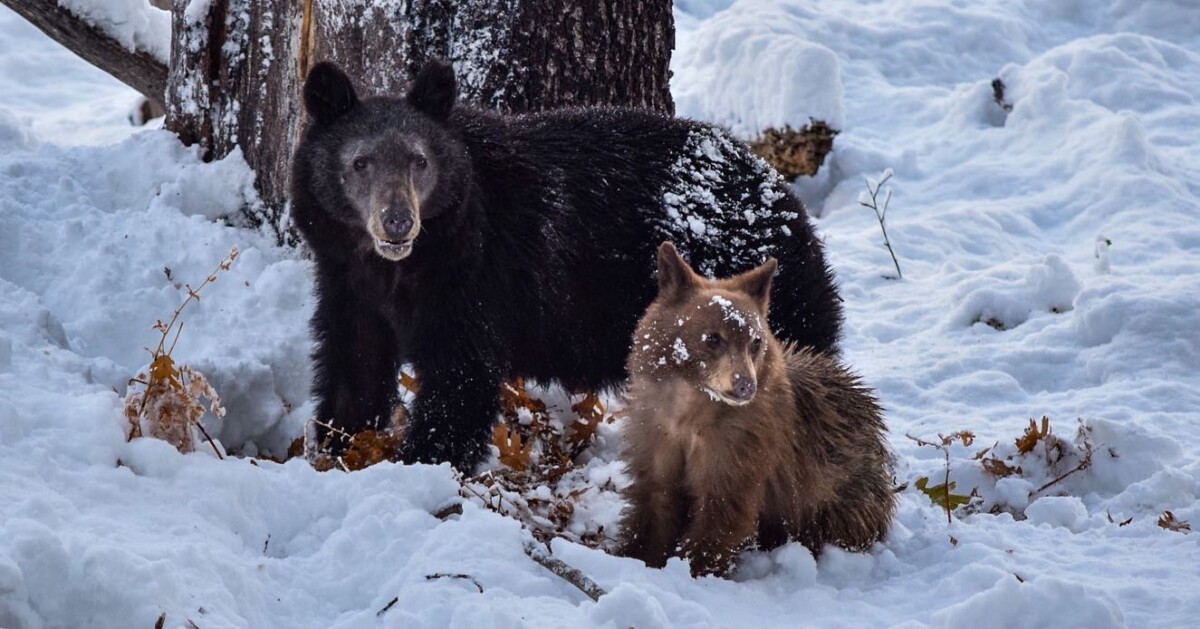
<point x="419" y="162"/>
<point x="755" y="346"/>
<point x="712" y="340"/>
<point x="361" y="163"/>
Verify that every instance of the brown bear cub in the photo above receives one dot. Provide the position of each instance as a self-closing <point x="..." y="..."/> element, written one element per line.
<point x="732" y="434"/>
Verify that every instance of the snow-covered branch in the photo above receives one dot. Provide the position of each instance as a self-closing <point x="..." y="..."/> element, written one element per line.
<point x="130" y="43"/>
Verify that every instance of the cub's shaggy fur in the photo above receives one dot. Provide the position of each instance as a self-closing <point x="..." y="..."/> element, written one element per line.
<point x="731" y="433"/>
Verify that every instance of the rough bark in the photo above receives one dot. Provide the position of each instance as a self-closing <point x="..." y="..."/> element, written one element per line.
<point x="236" y="69"/>
<point x="137" y="69"/>
<point x="511" y="55"/>
<point x="234" y="85"/>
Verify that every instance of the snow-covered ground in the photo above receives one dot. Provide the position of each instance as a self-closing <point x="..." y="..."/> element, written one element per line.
<point x="1051" y="261"/>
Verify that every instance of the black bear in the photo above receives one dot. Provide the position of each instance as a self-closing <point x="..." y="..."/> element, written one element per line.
<point x="479" y="247"/>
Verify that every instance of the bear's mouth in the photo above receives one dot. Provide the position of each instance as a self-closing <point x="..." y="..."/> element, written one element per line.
<point x="394" y="249"/>
<point x="717" y="396"/>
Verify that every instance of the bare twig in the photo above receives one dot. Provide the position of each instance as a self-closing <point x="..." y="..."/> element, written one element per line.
<point x="455" y="508"/>
<point x="444" y="575"/>
<point x="209" y="438"/>
<point x="881" y="213"/>
<point x="966" y="437"/>
<point x="564" y="571"/>
<point x="1084" y="463"/>
<point x="193" y="294"/>
<point x="388" y="606"/>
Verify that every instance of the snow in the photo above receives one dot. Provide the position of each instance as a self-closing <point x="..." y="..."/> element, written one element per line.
<point x="792" y="79"/>
<point x="731" y="313"/>
<point x="679" y="351"/>
<point x="704" y="209"/>
<point x="1051" y="259"/>
<point x="135" y="24"/>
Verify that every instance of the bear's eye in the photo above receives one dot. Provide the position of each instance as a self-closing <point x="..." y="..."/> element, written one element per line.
<point x="755" y="346"/>
<point x="361" y="163"/>
<point x="712" y="340"/>
<point x="419" y="162"/>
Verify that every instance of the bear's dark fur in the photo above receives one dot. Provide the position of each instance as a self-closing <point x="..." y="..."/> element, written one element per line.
<point x="481" y="247"/>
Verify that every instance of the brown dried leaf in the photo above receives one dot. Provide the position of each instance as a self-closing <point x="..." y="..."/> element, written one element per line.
<point x="324" y="463"/>
<point x="1167" y="521"/>
<point x="514" y="396"/>
<point x="591" y="413"/>
<point x="794" y="153"/>
<point x="368" y="448"/>
<point x="295" y="448"/>
<point x="409" y="382"/>
<point x="999" y="468"/>
<point x="513" y="453"/>
<point x="162" y="369"/>
<point x="1027" y="441"/>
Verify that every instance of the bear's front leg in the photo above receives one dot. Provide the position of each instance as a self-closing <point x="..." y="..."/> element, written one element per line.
<point x="453" y="414"/>
<point x="651" y="525"/>
<point x="718" y="527"/>
<point x="355" y="365"/>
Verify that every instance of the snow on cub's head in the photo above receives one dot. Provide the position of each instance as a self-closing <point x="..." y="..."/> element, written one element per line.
<point x="383" y="164"/>
<point x="711" y="334"/>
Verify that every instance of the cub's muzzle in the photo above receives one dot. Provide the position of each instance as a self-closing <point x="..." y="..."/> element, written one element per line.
<point x="744" y="388"/>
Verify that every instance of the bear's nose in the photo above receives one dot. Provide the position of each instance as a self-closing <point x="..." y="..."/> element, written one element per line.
<point x="743" y="387"/>
<point x="396" y="223"/>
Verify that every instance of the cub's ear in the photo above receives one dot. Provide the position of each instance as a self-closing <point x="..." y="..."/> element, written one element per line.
<point x="757" y="282"/>
<point x="434" y="90"/>
<point x="328" y="93"/>
<point x="675" y="277"/>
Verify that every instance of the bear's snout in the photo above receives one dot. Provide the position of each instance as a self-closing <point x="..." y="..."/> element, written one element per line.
<point x="744" y="388"/>
<point x="397" y="223"/>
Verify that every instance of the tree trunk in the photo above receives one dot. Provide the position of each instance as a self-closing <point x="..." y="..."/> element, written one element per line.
<point x="237" y="66"/>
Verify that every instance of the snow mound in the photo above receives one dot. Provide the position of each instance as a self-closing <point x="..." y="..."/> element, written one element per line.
<point x="1065" y="511"/>
<point x="748" y="74"/>
<point x="1044" y="602"/>
<point x="1046" y="287"/>
<point x="96" y="244"/>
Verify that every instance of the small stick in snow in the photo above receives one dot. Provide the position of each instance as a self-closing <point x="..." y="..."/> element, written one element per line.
<point x="388" y="606"/>
<point x="209" y="438"/>
<point x="444" y="575"/>
<point x="881" y="213"/>
<point x="1084" y="463"/>
<point x="564" y="571"/>
<point x="454" y="508"/>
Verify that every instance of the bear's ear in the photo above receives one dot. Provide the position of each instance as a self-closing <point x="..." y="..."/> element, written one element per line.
<point x="328" y="93"/>
<point x="675" y="277"/>
<point x="756" y="283"/>
<point x="434" y="90"/>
